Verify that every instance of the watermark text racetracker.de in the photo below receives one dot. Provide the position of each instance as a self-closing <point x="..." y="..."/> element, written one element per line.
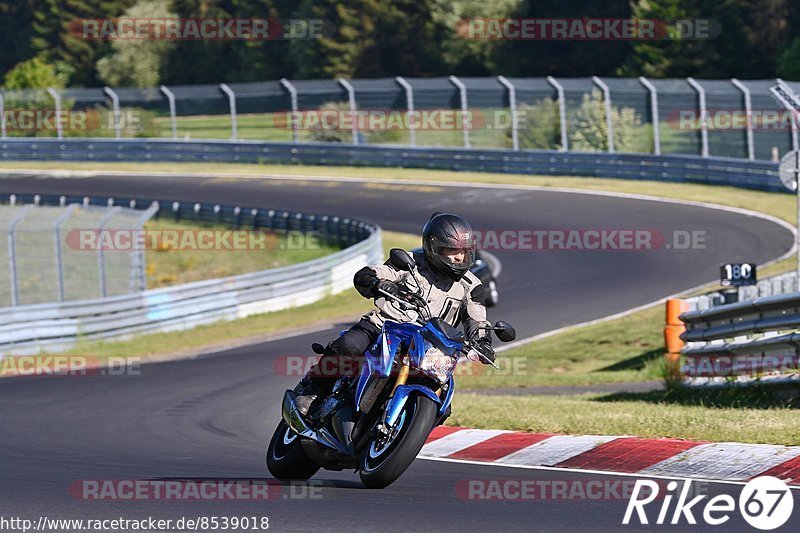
<point x="69" y="365"/>
<point x="198" y="29"/>
<point x="535" y="490"/>
<point x="595" y="239"/>
<point x="194" y="489"/>
<point x="126" y="240"/>
<point x="337" y="367"/>
<point x="585" y="29"/>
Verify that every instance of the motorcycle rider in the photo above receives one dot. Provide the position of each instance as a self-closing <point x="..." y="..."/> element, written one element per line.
<point x="452" y="292"/>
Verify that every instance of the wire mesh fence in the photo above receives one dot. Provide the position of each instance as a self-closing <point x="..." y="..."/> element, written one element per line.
<point x="728" y="118"/>
<point x="45" y="255"/>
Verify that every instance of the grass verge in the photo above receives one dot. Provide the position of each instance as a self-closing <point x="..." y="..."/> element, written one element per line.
<point x="752" y="415"/>
<point x="625" y="349"/>
<point x="171" y="264"/>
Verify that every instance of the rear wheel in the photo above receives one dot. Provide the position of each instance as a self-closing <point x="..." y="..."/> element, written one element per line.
<point x="387" y="457"/>
<point x="286" y="459"/>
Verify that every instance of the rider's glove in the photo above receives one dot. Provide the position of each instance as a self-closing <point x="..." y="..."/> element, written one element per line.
<point x="484" y="347"/>
<point x="386" y="286"/>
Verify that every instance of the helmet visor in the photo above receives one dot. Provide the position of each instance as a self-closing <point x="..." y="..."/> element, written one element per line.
<point x="459" y="254"/>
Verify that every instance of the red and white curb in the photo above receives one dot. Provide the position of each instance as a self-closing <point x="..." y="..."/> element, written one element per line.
<point x="724" y="461"/>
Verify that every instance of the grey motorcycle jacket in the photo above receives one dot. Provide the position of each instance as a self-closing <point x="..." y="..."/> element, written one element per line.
<point x="455" y="302"/>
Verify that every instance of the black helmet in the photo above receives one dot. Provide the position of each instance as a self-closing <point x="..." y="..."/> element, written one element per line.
<point x="446" y="231"/>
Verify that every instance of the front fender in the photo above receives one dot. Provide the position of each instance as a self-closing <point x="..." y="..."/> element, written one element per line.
<point x="400" y="397"/>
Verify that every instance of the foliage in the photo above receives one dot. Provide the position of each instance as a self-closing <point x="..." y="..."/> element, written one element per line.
<point x="789" y="61"/>
<point x="330" y="128"/>
<point x="372" y="38"/>
<point x="137" y="62"/>
<point x="35" y="73"/>
<point x="539" y="125"/>
<point x="589" y="129"/>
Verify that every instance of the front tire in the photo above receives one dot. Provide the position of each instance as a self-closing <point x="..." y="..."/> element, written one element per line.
<point x="286" y="459"/>
<point x="384" y="462"/>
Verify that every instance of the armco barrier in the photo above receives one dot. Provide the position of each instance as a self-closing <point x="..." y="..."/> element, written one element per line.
<point x="744" y="339"/>
<point x="27" y="329"/>
<point x="758" y="175"/>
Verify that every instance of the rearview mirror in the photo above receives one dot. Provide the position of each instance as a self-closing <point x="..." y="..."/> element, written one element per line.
<point x="400" y="259"/>
<point x="505" y="331"/>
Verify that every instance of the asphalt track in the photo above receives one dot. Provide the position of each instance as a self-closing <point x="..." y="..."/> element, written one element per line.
<point x="210" y="417"/>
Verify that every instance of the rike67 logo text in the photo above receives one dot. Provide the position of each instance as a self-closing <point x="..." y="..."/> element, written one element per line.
<point x="765" y="503"/>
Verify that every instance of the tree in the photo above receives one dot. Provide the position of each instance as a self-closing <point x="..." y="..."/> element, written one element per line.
<point x="34" y="73"/>
<point x="370" y="38"/>
<point x="589" y="131"/>
<point x="137" y="62"/>
<point x="539" y="126"/>
<point x="15" y="33"/>
<point x="789" y="62"/>
<point x="54" y="36"/>
<point x="561" y="57"/>
<point x="745" y="39"/>
<point x="462" y="55"/>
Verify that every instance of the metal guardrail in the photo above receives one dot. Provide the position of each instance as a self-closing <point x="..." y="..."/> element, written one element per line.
<point x="743" y="173"/>
<point x="27" y="329"/>
<point x="772" y="286"/>
<point x="750" y="338"/>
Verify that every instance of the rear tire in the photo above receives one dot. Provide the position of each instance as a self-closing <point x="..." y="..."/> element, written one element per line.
<point x="382" y="464"/>
<point x="286" y="460"/>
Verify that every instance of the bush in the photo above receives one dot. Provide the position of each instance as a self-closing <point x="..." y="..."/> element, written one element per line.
<point x="589" y="131"/>
<point x="329" y="129"/>
<point x="539" y="126"/>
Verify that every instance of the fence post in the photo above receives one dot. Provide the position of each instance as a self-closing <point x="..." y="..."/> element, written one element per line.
<point x="654" y="112"/>
<point x="138" y="271"/>
<point x="789" y="108"/>
<point x="172" y="113"/>
<point x="58" y="251"/>
<point x="607" y="103"/>
<point x="351" y="98"/>
<point x="57" y="98"/>
<point x="100" y="256"/>
<point x="701" y="93"/>
<point x="293" y="95"/>
<point x="232" y="102"/>
<point x="562" y="112"/>
<point x="412" y="123"/>
<point x="2" y="117"/>
<point x="462" y="89"/>
<point x="748" y="114"/>
<point x="512" y="104"/>
<point x="115" y="105"/>
<point x="672" y="332"/>
<point x="12" y="253"/>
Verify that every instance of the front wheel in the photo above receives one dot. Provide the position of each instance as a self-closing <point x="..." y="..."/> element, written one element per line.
<point x="385" y="459"/>
<point x="286" y="459"/>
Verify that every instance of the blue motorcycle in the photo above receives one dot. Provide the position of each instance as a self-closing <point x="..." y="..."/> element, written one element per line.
<point x="376" y="423"/>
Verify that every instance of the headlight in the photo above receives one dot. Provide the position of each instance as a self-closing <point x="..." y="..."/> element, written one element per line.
<point x="438" y="364"/>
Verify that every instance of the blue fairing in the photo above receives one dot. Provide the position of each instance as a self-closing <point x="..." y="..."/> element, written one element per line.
<point x="400" y="397"/>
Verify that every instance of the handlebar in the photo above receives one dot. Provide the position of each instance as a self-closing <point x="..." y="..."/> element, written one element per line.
<point x="406" y="305"/>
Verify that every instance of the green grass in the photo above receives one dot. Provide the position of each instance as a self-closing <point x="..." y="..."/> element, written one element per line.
<point x="168" y="265"/>
<point x="344" y="307"/>
<point x="741" y="416"/>
<point x="626" y="349"/>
